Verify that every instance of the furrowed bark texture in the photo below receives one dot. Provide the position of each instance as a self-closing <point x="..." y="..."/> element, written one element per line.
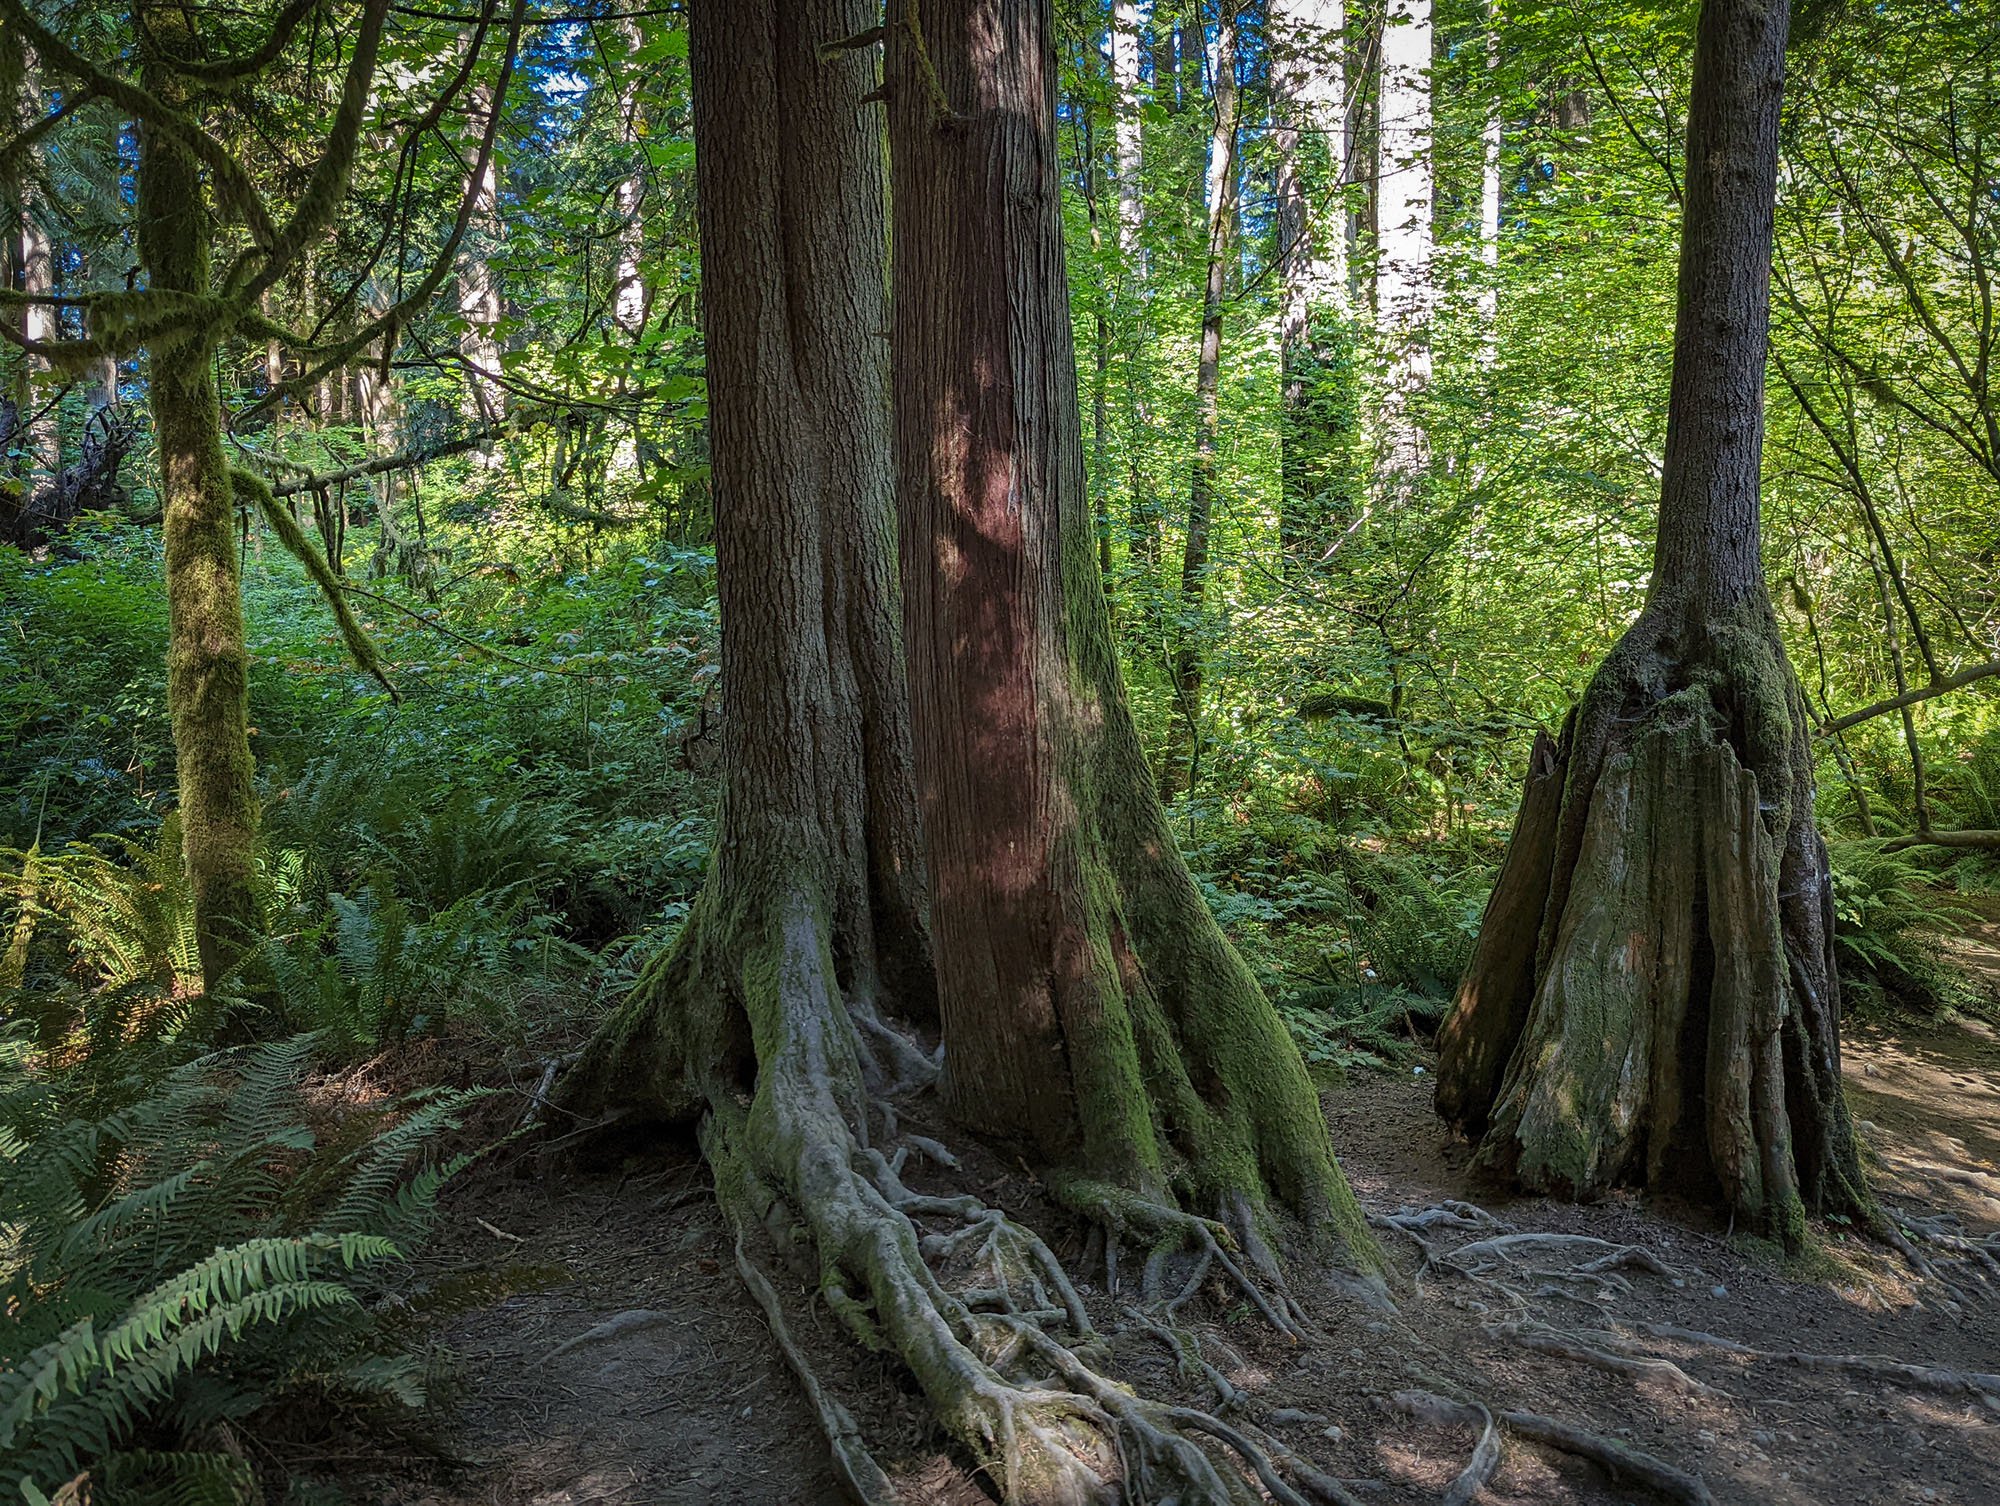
<point x="762" y="1023"/>
<point x="208" y="658"/>
<point x="812" y="914"/>
<point x="1653" y="997"/>
<point x="1093" y="1014"/>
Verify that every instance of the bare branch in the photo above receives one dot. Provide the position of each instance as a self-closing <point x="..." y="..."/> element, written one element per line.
<point x="1928" y="692"/>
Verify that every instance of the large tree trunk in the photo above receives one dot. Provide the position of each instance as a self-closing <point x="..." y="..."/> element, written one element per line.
<point x="1676" y="1020"/>
<point x="1184" y="749"/>
<point x="818" y="861"/>
<point x="1094" y="1015"/>
<point x="208" y="659"/>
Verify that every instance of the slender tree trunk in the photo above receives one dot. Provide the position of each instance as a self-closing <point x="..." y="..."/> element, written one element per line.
<point x="1184" y="752"/>
<point x="1164" y="50"/>
<point x="629" y="298"/>
<point x="1653" y="995"/>
<point x="30" y="268"/>
<point x="482" y="399"/>
<point x="1404" y="240"/>
<point x="208" y="660"/>
<point x="1128" y="134"/>
<point x="1093" y="1014"/>
<point x="1315" y="354"/>
<point x="1093" y="186"/>
<point x="1489" y="193"/>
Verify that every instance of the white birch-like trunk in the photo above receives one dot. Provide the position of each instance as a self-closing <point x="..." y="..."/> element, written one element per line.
<point x="629" y="305"/>
<point x="1128" y="135"/>
<point x="1404" y="241"/>
<point x="1489" y="195"/>
<point x="1308" y="87"/>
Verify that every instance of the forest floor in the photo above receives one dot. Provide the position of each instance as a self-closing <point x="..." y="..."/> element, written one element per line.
<point x="647" y="1378"/>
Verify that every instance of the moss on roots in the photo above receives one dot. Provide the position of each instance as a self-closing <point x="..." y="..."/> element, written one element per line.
<point x="743" y="1027"/>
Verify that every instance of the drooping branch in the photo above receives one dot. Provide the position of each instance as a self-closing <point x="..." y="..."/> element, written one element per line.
<point x="249" y="484"/>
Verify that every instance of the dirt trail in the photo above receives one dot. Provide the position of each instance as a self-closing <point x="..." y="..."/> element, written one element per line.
<point x="682" y="1399"/>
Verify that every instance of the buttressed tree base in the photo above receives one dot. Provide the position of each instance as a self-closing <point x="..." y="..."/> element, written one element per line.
<point x="1654" y="996"/>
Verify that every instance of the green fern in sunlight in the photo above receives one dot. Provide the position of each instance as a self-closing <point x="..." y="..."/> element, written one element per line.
<point x="126" y="915"/>
<point x="1890" y="922"/>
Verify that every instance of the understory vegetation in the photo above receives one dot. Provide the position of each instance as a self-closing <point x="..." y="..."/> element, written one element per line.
<point x="473" y="519"/>
<point x="207" y="1227"/>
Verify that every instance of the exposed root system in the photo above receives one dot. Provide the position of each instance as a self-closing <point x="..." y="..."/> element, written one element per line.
<point x="1938" y="1379"/>
<point x="1625" y="1465"/>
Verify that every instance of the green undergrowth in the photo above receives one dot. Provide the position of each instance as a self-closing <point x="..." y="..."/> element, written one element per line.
<point x="199" y="1246"/>
<point x="1895" y="914"/>
<point x="1358" y="940"/>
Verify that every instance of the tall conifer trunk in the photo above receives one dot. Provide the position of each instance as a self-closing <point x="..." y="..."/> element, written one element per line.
<point x="1093" y="1014"/>
<point x="1184" y="749"/>
<point x="814" y="903"/>
<point x="1653" y="997"/>
<point x="1315" y="339"/>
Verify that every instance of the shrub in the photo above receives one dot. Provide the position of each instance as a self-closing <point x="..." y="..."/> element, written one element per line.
<point x="1890" y="922"/>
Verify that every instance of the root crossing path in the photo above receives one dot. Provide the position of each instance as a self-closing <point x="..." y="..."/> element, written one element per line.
<point x="1537" y="1352"/>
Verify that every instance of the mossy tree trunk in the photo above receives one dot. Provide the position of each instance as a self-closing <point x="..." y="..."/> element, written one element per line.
<point x="1094" y="1016"/>
<point x="1653" y="996"/>
<point x="208" y="659"/>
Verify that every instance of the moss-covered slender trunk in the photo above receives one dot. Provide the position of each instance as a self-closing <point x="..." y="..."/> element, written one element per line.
<point x="208" y="660"/>
<point x="1093" y="1013"/>
<point x="1675" y="1020"/>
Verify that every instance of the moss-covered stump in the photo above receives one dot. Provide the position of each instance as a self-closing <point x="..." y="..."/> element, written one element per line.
<point x="1653" y="998"/>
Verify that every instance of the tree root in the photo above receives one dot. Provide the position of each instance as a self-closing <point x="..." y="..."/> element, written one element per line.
<point x="1121" y="1213"/>
<point x="977" y="1307"/>
<point x="1481" y="1467"/>
<point x="858" y="1471"/>
<point x="1938" y="1379"/>
<point x="1567" y="1346"/>
<point x="1944" y="1231"/>
<point x="1590" y="1280"/>
<point x="1623" y="1464"/>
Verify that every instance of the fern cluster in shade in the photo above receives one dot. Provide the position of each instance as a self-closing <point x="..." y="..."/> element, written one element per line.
<point x="179" y="1250"/>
